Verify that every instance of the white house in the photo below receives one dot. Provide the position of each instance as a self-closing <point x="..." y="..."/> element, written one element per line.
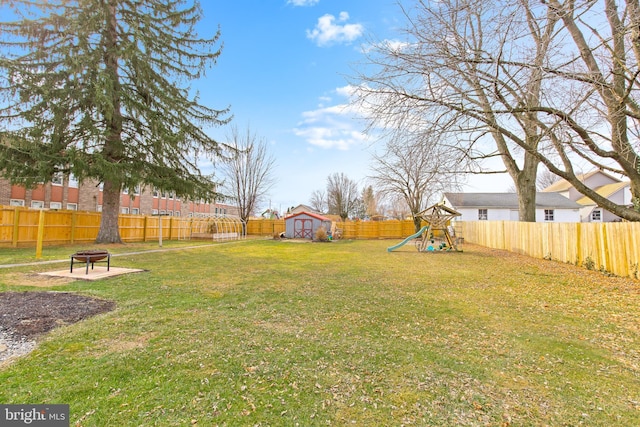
<point x="610" y="187"/>
<point x="550" y="207"/>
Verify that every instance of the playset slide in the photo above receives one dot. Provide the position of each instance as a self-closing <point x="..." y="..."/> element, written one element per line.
<point x="413" y="236"/>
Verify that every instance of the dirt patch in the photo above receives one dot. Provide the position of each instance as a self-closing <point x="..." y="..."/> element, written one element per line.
<point x="26" y="315"/>
<point x="37" y="280"/>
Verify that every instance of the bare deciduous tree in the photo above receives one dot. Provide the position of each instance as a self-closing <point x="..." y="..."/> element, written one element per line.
<point x="418" y="170"/>
<point x="537" y="77"/>
<point x="318" y="201"/>
<point x="248" y="174"/>
<point x="455" y="72"/>
<point x="342" y="195"/>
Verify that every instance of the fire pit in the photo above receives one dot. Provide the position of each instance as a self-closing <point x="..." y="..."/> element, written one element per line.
<point x="91" y="257"/>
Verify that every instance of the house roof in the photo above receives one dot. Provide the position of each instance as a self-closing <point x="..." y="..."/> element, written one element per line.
<point x="508" y="200"/>
<point x="313" y="215"/>
<point x="605" y="191"/>
<point x="564" y="185"/>
<point x="303" y="208"/>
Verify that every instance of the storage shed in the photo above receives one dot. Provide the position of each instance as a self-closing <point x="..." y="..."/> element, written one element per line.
<point x="303" y="225"/>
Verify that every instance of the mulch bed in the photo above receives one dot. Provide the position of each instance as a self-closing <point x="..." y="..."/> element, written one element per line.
<point x="27" y="315"/>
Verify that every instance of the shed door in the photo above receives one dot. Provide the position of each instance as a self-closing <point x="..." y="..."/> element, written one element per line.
<point x="303" y="228"/>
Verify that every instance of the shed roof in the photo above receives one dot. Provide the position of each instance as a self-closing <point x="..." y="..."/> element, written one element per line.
<point x="508" y="200"/>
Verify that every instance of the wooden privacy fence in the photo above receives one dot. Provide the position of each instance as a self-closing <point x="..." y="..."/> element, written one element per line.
<point x="350" y="229"/>
<point x="19" y="227"/>
<point x="609" y="247"/>
<point x="612" y="247"/>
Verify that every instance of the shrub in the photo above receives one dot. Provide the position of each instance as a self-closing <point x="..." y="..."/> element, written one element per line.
<point x="321" y="235"/>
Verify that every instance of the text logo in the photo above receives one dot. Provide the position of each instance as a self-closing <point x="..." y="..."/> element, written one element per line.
<point x="34" y="415"/>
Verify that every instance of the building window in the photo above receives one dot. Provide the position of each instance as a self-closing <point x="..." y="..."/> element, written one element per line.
<point x="596" y="215"/>
<point x="154" y="212"/>
<point x="73" y="181"/>
<point x="57" y="178"/>
<point x="136" y="190"/>
<point x="176" y="213"/>
<point x="37" y="204"/>
<point x="483" y="215"/>
<point x="155" y="192"/>
<point x="99" y="208"/>
<point x="72" y="206"/>
<point x="55" y="205"/>
<point x="548" y="214"/>
<point x="135" y="211"/>
<point x="163" y="212"/>
<point x="16" y="202"/>
<point x="124" y="210"/>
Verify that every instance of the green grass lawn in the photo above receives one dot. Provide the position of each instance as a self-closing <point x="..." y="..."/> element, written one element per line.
<point x="276" y="333"/>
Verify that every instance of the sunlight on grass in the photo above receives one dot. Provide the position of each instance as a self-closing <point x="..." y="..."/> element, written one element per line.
<point x="277" y="333"/>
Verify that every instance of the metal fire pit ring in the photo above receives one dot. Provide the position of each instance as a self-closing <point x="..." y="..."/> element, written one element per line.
<point x="91" y="257"/>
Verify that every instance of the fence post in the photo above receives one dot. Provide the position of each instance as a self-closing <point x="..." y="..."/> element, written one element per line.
<point x="144" y="229"/>
<point x="16" y="227"/>
<point x="171" y="228"/>
<point x="40" y="235"/>
<point x="73" y="227"/>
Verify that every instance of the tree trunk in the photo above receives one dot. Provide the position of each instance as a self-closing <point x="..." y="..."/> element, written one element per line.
<point x="417" y="223"/>
<point x="113" y="148"/>
<point x="109" y="230"/>
<point x="525" y="181"/>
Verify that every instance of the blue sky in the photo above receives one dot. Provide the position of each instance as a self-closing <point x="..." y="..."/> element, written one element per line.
<point x="284" y="70"/>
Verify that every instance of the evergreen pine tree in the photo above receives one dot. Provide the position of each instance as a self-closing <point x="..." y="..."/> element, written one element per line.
<point x="100" y="89"/>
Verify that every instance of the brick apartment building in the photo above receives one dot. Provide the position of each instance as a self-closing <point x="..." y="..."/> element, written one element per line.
<point x="64" y="192"/>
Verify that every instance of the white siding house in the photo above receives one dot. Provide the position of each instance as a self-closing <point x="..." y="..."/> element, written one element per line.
<point x="607" y="186"/>
<point x="550" y="207"/>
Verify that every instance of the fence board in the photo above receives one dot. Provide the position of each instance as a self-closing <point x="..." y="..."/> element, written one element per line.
<point x="610" y="247"/>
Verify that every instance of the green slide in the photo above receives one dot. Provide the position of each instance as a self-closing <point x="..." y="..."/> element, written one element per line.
<point x="413" y="236"/>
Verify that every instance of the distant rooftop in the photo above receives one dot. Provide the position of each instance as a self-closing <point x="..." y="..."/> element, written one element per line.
<point x="508" y="200"/>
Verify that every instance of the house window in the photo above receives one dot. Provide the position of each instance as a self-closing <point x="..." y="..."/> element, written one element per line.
<point x="72" y="206"/>
<point x="124" y="210"/>
<point x="596" y="215"/>
<point x="155" y="192"/>
<point x="55" y="205"/>
<point x="16" y="202"/>
<point x="176" y="213"/>
<point x="548" y="214"/>
<point x="57" y="178"/>
<point x="73" y="181"/>
<point x="483" y="215"/>
<point x="136" y="190"/>
<point x="37" y="204"/>
<point x="154" y="212"/>
<point x="99" y="208"/>
<point x="135" y="211"/>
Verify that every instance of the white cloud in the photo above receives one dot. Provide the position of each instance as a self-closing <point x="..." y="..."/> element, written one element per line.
<point x="329" y="31"/>
<point x="303" y="2"/>
<point x="332" y="127"/>
<point x="386" y="45"/>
